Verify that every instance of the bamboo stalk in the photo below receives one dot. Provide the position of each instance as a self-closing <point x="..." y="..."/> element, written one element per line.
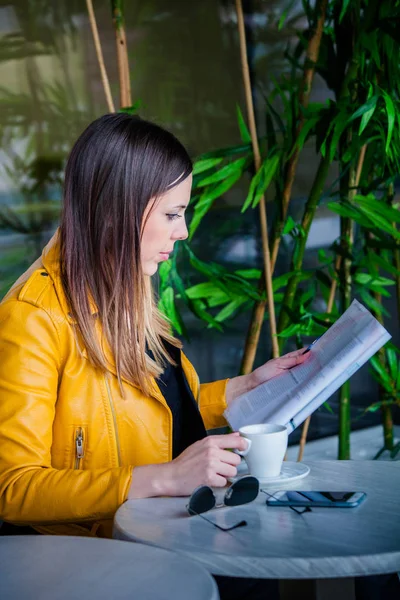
<point x="253" y="335"/>
<point x="122" y="54"/>
<point x="387" y="418"/>
<point x="257" y="162"/>
<point x="257" y="317"/>
<point x="347" y="241"/>
<point x="312" y="54"/>
<point x="396" y="254"/>
<point x="303" y="438"/>
<point x="397" y="263"/>
<point x="99" y="54"/>
<point x="331" y="298"/>
<point x="309" y="212"/>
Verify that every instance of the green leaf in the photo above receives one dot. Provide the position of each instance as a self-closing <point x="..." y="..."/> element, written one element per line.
<point x="284" y="15"/>
<point x="373" y="304"/>
<point x="383" y="263"/>
<point x="229" y="309"/>
<point x="364" y="108"/>
<point x="167" y="306"/>
<point x="379" y="222"/>
<point x="208" y="269"/>
<point x="328" y="408"/>
<point x="291" y="330"/>
<point x="325" y="319"/>
<point x="368" y="114"/>
<point x="244" y="132"/>
<point x="231" y="169"/>
<point x="207" y="199"/>
<point x="197" y="307"/>
<point x="345" y="5"/>
<point x="367" y="278"/>
<point x="307" y="127"/>
<point x="131" y="110"/>
<point x="375" y="362"/>
<point x="164" y="270"/>
<point x="289" y="225"/>
<point x="249" y="273"/>
<point x="349" y="211"/>
<point x="207" y="289"/>
<point x="253" y="185"/>
<point x="205" y="164"/>
<point x="392" y="362"/>
<point x="379" y="206"/>
<point x="374" y="407"/>
<point x="269" y="168"/>
<point x="229" y="151"/>
<point x="282" y="280"/>
<point x="391" y="112"/>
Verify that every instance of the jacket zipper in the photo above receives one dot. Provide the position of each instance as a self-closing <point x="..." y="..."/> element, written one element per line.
<point x="79" y="447"/>
<point x="114" y="419"/>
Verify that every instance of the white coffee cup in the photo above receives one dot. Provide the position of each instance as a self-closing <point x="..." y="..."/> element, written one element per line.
<point x="267" y="444"/>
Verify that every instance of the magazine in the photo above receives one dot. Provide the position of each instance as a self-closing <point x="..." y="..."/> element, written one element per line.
<point x="291" y="397"/>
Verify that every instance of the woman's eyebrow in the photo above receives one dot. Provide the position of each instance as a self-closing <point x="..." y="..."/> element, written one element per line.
<point x="180" y="206"/>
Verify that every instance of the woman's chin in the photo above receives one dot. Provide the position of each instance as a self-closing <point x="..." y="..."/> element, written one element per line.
<point x="150" y="268"/>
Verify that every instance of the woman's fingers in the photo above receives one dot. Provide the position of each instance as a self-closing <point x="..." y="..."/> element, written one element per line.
<point x="295" y="353"/>
<point x="225" y="470"/>
<point x="230" y="457"/>
<point x="286" y="362"/>
<point x="219" y="481"/>
<point x="229" y="440"/>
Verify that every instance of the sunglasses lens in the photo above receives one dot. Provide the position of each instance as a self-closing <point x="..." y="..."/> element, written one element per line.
<point x="243" y="491"/>
<point x="201" y="500"/>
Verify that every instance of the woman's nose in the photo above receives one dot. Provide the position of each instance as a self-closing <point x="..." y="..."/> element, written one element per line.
<point x="182" y="232"/>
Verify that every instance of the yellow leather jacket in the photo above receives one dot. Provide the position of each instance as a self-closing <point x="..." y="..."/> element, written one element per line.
<point x="68" y="440"/>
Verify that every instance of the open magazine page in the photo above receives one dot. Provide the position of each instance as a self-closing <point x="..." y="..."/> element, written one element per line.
<point x="292" y="396"/>
<point x="335" y="385"/>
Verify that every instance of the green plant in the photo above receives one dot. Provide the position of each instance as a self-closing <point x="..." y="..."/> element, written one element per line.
<point x="356" y="133"/>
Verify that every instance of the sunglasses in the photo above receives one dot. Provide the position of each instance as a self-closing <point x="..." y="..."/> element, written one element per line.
<point x="296" y="510"/>
<point x="203" y="499"/>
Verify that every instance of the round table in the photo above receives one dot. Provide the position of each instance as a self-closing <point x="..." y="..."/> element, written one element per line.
<point x="61" y="568"/>
<point x="277" y="542"/>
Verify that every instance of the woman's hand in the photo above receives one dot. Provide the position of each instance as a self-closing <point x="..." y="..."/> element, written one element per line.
<point x="276" y="366"/>
<point x="205" y="462"/>
<point x="244" y="383"/>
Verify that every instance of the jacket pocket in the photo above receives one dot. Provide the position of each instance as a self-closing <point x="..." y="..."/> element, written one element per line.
<point x="80" y="446"/>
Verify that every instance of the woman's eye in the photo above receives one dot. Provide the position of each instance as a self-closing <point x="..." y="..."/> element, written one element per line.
<point x="172" y="217"/>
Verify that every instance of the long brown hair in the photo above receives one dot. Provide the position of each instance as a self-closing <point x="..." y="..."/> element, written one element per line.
<point x="118" y="164"/>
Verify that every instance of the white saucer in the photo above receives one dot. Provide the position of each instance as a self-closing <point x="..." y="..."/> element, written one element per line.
<point x="289" y="472"/>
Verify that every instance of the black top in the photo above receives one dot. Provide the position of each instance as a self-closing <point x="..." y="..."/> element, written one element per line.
<point x="187" y="423"/>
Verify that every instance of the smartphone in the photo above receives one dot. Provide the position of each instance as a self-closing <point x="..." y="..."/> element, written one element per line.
<point x="305" y="498"/>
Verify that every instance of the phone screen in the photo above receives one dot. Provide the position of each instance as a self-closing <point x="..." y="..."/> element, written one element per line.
<point x="312" y="498"/>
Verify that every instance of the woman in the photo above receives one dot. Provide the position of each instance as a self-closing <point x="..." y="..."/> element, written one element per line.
<point x="98" y="403"/>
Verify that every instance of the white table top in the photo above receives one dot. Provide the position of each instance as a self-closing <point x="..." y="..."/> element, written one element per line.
<point x="61" y="568"/>
<point x="277" y="542"/>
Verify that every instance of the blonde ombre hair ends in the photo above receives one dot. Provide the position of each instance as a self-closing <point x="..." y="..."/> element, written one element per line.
<point x="117" y="166"/>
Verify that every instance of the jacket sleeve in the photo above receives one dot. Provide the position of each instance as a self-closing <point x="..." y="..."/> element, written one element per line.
<point x="213" y="403"/>
<point x="31" y="491"/>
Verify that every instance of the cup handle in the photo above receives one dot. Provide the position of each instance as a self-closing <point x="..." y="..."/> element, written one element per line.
<point x="243" y="452"/>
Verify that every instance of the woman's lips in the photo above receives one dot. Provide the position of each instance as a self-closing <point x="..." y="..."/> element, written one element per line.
<point x="164" y="255"/>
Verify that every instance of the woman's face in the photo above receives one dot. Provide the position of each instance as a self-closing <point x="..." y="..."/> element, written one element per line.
<point x="164" y="224"/>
